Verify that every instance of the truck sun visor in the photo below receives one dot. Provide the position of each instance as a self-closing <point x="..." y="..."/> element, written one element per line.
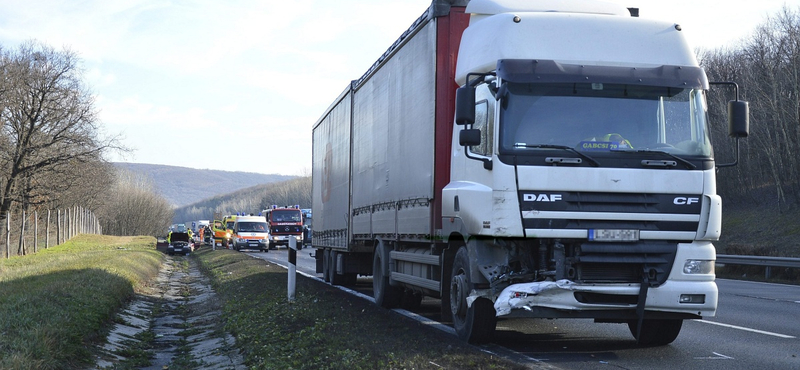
<point x="550" y="71"/>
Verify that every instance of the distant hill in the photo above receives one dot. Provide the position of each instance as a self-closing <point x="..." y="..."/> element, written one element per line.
<point x="296" y="191"/>
<point x="182" y="186"/>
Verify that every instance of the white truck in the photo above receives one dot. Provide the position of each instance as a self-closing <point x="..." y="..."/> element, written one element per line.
<point x="542" y="159"/>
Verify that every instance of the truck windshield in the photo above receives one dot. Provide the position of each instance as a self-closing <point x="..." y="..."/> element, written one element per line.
<point x="604" y="118"/>
<point x="287" y="216"/>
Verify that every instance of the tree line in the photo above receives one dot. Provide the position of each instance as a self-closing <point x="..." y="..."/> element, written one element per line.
<point x="51" y="143"/>
<point x="767" y="69"/>
<point x="253" y="200"/>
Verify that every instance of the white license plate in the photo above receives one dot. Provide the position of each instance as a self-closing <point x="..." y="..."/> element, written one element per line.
<point x="613" y="235"/>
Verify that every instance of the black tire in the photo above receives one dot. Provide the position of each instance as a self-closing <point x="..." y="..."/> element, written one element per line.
<point x="326" y="265"/>
<point x="656" y="332"/>
<point x="332" y="269"/>
<point x="476" y="323"/>
<point x="444" y="295"/>
<point x="386" y="296"/>
<point x="336" y="279"/>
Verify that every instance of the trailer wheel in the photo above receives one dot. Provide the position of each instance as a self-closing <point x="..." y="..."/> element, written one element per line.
<point x="334" y="278"/>
<point x="386" y="296"/>
<point x="656" y="332"/>
<point x="326" y="265"/>
<point x="473" y="323"/>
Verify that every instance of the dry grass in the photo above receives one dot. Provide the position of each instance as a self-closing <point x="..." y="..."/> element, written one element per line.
<point x="325" y="328"/>
<point x="54" y="304"/>
<point x="760" y="232"/>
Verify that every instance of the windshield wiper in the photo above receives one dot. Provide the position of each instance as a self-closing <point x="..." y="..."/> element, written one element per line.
<point x="647" y="162"/>
<point x="562" y="147"/>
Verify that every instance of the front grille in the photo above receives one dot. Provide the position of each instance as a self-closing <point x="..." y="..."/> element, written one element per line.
<point x="599" y="298"/>
<point x="286" y="229"/>
<point x="581" y="205"/>
<point x="622" y="263"/>
<point x="576" y="201"/>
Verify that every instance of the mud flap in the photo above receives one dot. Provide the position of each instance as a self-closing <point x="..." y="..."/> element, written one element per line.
<point x="645" y="285"/>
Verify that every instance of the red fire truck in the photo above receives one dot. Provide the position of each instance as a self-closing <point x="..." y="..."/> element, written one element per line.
<point x="284" y="223"/>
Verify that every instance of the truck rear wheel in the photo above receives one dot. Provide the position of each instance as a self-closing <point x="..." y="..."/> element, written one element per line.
<point x="473" y="323"/>
<point x="656" y="332"/>
<point x="334" y="278"/>
<point x="386" y="296"/>
<point x="326" y="265"/>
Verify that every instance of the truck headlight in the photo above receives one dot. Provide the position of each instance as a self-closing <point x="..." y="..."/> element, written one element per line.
<point x="692" y="267"/>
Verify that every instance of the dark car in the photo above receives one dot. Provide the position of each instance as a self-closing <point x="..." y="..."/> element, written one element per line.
<point x="180" y="243"/>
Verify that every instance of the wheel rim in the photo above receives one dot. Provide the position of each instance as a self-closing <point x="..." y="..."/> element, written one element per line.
<point x="458" y="295"/>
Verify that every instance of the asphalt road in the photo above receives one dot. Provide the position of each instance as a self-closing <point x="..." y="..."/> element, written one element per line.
<point x="757" y="326"/>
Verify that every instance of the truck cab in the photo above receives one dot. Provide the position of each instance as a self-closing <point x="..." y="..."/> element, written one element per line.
<point x="284" y="223"/>
<point x="591" y="165"/>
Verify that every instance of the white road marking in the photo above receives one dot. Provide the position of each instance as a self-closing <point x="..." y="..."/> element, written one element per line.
<point x="747" y="329"/>
<point x="719" y="356"/>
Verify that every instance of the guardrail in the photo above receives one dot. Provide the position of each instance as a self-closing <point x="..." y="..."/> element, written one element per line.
<point x="765" y="261"/>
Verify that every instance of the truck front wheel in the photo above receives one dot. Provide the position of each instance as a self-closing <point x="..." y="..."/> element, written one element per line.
<point x="656" y="332"/>
<point x="386" y="296"/>
<point x="473" y="323"/>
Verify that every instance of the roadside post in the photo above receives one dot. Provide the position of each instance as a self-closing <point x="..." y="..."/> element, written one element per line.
<point x="292" y="267"/>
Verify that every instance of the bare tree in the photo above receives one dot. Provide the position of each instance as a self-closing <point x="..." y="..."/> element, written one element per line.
<point x="135" y="208"/>
<point x="49" y="125"/>
<point x="767" y="68"/>
<point x="287" y="193"/>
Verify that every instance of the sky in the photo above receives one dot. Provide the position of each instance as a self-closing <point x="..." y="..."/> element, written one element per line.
<point x="236" y="85"/>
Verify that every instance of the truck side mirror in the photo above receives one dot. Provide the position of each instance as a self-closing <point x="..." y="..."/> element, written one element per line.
<point x="469" y="137"/>
<point x="465" y="105"/>
<point x="738" y="118"/>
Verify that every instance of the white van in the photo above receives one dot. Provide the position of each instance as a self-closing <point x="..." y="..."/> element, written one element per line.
<point x="250" y="232"/>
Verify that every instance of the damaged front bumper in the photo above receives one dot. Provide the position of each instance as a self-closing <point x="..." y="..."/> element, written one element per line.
<point x="565" y="298"/>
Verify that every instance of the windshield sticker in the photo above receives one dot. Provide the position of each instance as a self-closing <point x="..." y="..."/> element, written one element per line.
<point x="603" y="146"/>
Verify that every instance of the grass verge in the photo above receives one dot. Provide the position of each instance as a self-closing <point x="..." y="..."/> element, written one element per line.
<point x="763" y="231"/>
<point x="55" y="303"/>
<point x="324" y="328"/>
